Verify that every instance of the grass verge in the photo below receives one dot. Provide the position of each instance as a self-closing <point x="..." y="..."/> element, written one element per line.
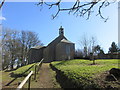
<point x="81" y="73"/>
<point x="12" y="78"/>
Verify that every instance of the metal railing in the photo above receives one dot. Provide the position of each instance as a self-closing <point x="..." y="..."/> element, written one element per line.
<point x="28" y="77"/>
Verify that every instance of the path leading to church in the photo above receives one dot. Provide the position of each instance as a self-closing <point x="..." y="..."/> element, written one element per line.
<point x="46" y="78"/>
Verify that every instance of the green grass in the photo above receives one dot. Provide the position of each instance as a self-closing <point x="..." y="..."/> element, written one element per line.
<point x="82" y="72"/>
<point x="7" y="77"/>
<point x="23" y="69"/>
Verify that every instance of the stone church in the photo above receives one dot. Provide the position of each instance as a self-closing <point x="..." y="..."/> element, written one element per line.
<point x="59" y="49"/>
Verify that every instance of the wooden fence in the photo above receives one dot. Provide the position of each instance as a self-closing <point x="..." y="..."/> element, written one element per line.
<point x="28" y="77"/>
<point x="25" y="80"/>
<point x="37" y="68"/>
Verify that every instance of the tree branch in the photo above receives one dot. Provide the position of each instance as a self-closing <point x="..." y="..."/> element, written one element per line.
<point x="2" y="4"/>
<point x="57" y="12"/>
<point x="78" y="8"/>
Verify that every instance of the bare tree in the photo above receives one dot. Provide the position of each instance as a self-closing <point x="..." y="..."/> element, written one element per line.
<point x="10" y="47"/>
<point x="23" y="41"/>
<point x="79" y="8"/>
<point x="95" y="51"/>
<point x="16" y="45"/>
<point x="93" y="43"/>
<point x="88" y="45"/>
<point x="85" y="43"/>
<point x="33" y="39"/>
<point x="28" y="39"/>
<point x="13" y="45"/>
<point x="5" y="52"/>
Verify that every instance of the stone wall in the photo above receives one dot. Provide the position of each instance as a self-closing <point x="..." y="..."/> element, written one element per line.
<point x="50" y="51"/>
<point x="35" y="55"/>
<point x="65" y="51"/>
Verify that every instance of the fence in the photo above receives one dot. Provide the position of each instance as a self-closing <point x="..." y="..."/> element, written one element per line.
<point x="28" y="77"/>
<point x="37" y="68"/>
<point x="25" y="80"/>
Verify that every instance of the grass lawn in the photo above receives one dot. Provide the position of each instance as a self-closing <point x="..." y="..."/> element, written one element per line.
<point x="16" y="76"/>
<point x="24" y="69"/>
<point x="83" y="73"/>
<point x="6" y="78"/>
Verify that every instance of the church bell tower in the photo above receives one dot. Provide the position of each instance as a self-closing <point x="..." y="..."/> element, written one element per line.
<point x="61" y="31"/>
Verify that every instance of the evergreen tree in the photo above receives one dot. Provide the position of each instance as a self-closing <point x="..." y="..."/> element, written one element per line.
<point x="113" y="48"/>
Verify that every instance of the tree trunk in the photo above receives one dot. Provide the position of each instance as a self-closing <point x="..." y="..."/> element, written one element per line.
<point x="11" y="67"/>
<point x="93" y="61"/>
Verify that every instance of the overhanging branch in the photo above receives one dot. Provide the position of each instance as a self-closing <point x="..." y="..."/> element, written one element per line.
<point x="78" y="8"/>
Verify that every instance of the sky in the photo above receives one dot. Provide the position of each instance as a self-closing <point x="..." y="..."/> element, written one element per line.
<point x="29" y="16"/>
<point x="119" y="24"/>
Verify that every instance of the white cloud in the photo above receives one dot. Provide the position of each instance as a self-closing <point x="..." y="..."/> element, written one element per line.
<point x="2" y="18"/>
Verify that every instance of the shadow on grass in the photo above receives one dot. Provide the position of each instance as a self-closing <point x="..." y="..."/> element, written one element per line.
<point x="11" y="70"/>
<point x="66" y="83"/>
<point x="63" y="80"/>
<point x="18" y="76"/>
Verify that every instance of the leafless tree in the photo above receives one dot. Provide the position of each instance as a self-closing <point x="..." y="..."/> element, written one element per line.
<point x="28" y="39"/>
<point x="79" y="8"/>
<point x="5" y="52"/>
<point x="10" y="47"/>
<point x="84" y="43"/>
<point x="93" y="43"/>
<point x="13" y="45"/>
<point x="22" y="40"/>
<point x="16" y="45"/>
<point x="88" y="44"/>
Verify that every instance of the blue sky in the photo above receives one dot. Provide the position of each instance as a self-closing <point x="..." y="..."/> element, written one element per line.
<point x="27" y="16"/>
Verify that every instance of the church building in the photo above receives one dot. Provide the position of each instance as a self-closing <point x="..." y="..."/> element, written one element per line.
<point x="59" y="49"/>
